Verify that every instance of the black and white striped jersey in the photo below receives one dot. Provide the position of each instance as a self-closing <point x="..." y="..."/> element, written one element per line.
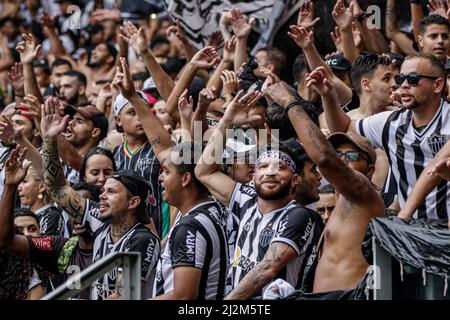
<point x="409" y="151"/>
<point x="51" y="221"/>
<point x="292" y="224"/>
<point x="198" y="240"/>
<point x="145" y="163"/>
<point x="138" y="239"/>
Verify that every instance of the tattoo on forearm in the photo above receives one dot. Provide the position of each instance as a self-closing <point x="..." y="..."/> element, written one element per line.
<point x="155" y="141"/>
<point x="391" y="22"/>
<point x="55" y="181"/>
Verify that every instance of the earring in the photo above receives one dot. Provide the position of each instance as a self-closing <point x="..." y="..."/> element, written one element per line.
<point x="40" y="196"/>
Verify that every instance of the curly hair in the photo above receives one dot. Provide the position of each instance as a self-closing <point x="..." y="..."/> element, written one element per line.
<point x="15" y="274"/>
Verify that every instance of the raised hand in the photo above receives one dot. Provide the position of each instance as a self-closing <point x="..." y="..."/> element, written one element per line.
<point x="230" y="83"/>
<point x="206" y="96"/>
<point x="35" y="107"/>
<point x="280" y="93"/>
<point x="47" y="21"/>
<point x="215" y="40"/>
<point x="134" y="37"/>
<point x="442" y="168"/>
<point x="437" y="7"/>
<point x="306" y="15"/>
<point x="241" y="28"/>
<point x="28" y="49"/>
<point x="229" y="49"/>
<point x="237" y="110"/>
<point x="9" y="132"/>
<point x="52" y="123"/>
<point x="205" y="58"/>
<point x="320" y="81"/>
<point x="186" y="106"/>
<point x="124" y="80"/>
<point x="15" y="171"/>
<point x="342" y="15"/>
<point x="16" y="78"/>
<point x="302" y="37"/>
<point x="105" y="14"/>
<point x="178" y="31"/>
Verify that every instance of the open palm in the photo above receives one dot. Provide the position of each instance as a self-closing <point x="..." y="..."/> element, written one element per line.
<point x="15" y="172"/>
<point x="52" y="123"/>
<point x="28" y="49"/>
<point x="134" y="36"/>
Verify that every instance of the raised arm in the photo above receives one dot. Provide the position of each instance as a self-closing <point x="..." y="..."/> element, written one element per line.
<point x="337" y="119"/>
<point x="205" y="97"/>
<point x="14" y="175"/>
<point x="416" y="16"/>
<point x="185" y="107"/>
<point x="55" y="183"/>
<point x="208" y="168"/>
<point x="351" y="184"/>
<point x="158" y="137"/>
<point x="6" y="60"/>
<point x="28" y="49"/>
<point x="241" y="29"/>
<point x="16" y="78"/>
<point x="226" y="64"/>
<point x="393" y="31"/>
<point x="136" y="38"/>
<point x="430" y="177"/>
<point x="344" y="17"/>
<point x="203" y="60"/>
<point x="304" y="39"/>
<point x="7" y="130"/>
<point x="181" y="35"/>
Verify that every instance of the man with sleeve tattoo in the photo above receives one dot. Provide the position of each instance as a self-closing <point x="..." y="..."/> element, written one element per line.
<point x="347" y="162"/>
<point x="118" y="220"/>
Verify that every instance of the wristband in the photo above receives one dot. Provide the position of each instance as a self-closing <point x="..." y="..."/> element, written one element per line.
<point x="292" y="104"/>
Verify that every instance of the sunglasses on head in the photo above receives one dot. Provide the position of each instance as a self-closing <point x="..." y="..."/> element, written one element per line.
<point x="212" y="122"/>
<point x="352" y="156"/>
<point x="413" y="78"/>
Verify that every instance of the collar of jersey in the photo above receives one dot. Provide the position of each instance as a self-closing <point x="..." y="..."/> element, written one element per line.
<point x="420" y="134"/>
<point x="130" y="153"/>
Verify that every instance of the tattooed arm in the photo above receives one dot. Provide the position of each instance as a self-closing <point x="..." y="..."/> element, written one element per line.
<point x="276" y="258"/>
<point x="393" y="31"/>
<point x="353" y="185"/>
<point x="55" y="183"/>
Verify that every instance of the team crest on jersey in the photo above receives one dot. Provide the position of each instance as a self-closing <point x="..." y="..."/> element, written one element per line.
<point x="143" y="163"/>
<point x="266" y="237"/>
<point x="436" y="142"/>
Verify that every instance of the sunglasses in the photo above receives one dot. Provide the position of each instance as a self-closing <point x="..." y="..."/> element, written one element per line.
<point x="413" y="78"/>
<point x="352" y="156"/>
<point x="212" y="122"/>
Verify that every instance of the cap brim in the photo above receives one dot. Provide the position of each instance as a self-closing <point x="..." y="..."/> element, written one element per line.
<point x="70" y="110"/>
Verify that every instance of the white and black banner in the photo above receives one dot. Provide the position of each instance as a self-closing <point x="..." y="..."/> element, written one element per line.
<point x="200" y="18"/>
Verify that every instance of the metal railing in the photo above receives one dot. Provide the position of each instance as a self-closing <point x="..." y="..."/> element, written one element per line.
<point x="131" y="276"/>
<point x="382" y="278"/>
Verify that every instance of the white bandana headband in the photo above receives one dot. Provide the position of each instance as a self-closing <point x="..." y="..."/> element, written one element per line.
<point x="277" y="155"/>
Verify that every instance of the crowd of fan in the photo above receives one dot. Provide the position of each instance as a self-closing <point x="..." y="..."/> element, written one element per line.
<point x="115" y="137"/>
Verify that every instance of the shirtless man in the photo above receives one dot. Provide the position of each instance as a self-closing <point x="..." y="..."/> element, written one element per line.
<point x="342" y="265"/>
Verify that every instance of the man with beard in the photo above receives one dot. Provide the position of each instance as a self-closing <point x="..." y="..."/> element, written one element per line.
<point x="72" y="88"/>
<point x="101" y="62"/>
<point x="117" y="221"/>
<point x="277" y="237"/>
<point x="412" y="135"/>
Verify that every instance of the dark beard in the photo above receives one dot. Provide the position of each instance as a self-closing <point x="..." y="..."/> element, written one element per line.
<point x="282" y="192"/>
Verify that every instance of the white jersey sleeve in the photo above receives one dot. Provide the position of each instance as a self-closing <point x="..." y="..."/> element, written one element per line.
<point x="372" y="128"/>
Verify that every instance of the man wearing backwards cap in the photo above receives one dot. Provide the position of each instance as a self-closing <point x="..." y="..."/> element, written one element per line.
<point x="347" y="162"/>
<point x="193" y="264"/>
<point x="276" y="236"/>
<point x="87" y="127"/>
<point x="136" y="153"/>
<point x="118" y="220"/>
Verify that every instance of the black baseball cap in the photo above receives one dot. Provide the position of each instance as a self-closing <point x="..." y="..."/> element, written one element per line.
<point x="338" y="62"/>
<point x="137" y="186"/>
<point x="296" y="151"/>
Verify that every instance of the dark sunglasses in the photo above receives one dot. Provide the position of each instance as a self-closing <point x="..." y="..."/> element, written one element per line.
<point x="413" y="78"/>
<point x="212" y="122"/>
<point x="352" y="156"/>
